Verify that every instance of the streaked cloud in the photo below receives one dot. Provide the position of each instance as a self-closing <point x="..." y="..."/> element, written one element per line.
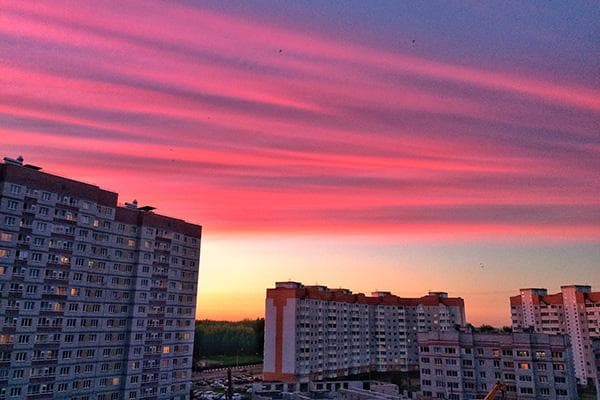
<point x="250" y="122"/>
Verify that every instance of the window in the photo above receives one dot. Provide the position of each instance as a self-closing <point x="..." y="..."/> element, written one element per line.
<point x="15" y="189"/>
<point x="558" y="366"/>
<point x="541" y="367"/>
<point x="6" y="237"/>
<point x="12" y="205"/>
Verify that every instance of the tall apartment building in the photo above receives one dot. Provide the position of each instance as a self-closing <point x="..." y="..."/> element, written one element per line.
<point x="313" y="332"/>
<point x="596" y="357"/>
<point x="463" y="365"/>
<point x="575" y="311"/>
<point x="97" y="301"/>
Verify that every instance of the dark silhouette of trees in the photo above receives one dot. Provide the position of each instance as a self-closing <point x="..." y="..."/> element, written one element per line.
<point x="487" y="329"/>
<point x="223" y="338"/>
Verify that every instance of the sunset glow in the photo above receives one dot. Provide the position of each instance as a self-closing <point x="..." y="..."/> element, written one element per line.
<point x="380" y="148"/>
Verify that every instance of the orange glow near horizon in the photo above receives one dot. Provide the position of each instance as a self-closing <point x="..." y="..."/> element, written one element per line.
<point x="485" y="276"/>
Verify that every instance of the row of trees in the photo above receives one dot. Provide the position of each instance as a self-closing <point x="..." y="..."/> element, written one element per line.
<point x="223" y="338"/>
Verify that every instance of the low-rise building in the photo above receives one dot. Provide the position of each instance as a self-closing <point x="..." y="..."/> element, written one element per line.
<point x="344" y="390"/>
<point x="461" y="365"/>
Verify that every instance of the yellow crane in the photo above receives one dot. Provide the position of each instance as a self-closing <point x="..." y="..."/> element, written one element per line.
<point x="497" y="388"/>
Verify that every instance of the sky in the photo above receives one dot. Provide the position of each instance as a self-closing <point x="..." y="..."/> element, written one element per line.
<point x="402" y="146"/>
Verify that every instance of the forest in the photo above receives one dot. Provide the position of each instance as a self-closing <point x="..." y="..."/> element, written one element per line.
<point x="225" y="341"/>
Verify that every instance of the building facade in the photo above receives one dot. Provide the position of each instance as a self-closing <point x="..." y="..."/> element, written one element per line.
<point x="314" y="333"/>
<point x="596" y="356"/>
<point x="97" y="301"/>
<point x="575" y="311"/>
<point x="459" y="365"/>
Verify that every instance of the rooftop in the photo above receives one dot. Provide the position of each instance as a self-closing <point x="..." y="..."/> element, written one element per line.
<point x="320" y="292"/>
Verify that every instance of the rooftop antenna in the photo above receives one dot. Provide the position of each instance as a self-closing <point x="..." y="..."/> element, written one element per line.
<point x="133" y="205"/>
<point x="14" y="161"/>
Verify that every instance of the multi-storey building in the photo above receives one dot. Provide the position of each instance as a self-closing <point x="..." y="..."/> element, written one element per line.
<point x="97" y="301"/>
<point x="596" y="354"/>
<point x="463" y="365"/>
<point x="575" y="311"/>
<point x="314" y="333"/>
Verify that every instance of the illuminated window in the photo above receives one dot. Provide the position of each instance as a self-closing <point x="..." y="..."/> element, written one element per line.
<point x="5" y="237"/>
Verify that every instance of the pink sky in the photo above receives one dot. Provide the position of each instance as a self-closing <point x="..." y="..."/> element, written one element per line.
<point x="356" y="152"/>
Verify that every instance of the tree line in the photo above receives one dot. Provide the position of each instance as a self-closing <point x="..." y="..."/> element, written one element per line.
<point x="224" y="338"/>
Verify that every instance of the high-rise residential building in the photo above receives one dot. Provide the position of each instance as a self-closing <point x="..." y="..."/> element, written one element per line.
<point x="459" y="365"/>
<point x="596" y="358"/>
<point x="97" y="301"/>
<point x="575" y="311"/>
<point x="314" y="333"/>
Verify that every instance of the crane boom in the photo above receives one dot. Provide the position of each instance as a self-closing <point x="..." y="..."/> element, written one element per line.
<point x="498" y="387"/>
